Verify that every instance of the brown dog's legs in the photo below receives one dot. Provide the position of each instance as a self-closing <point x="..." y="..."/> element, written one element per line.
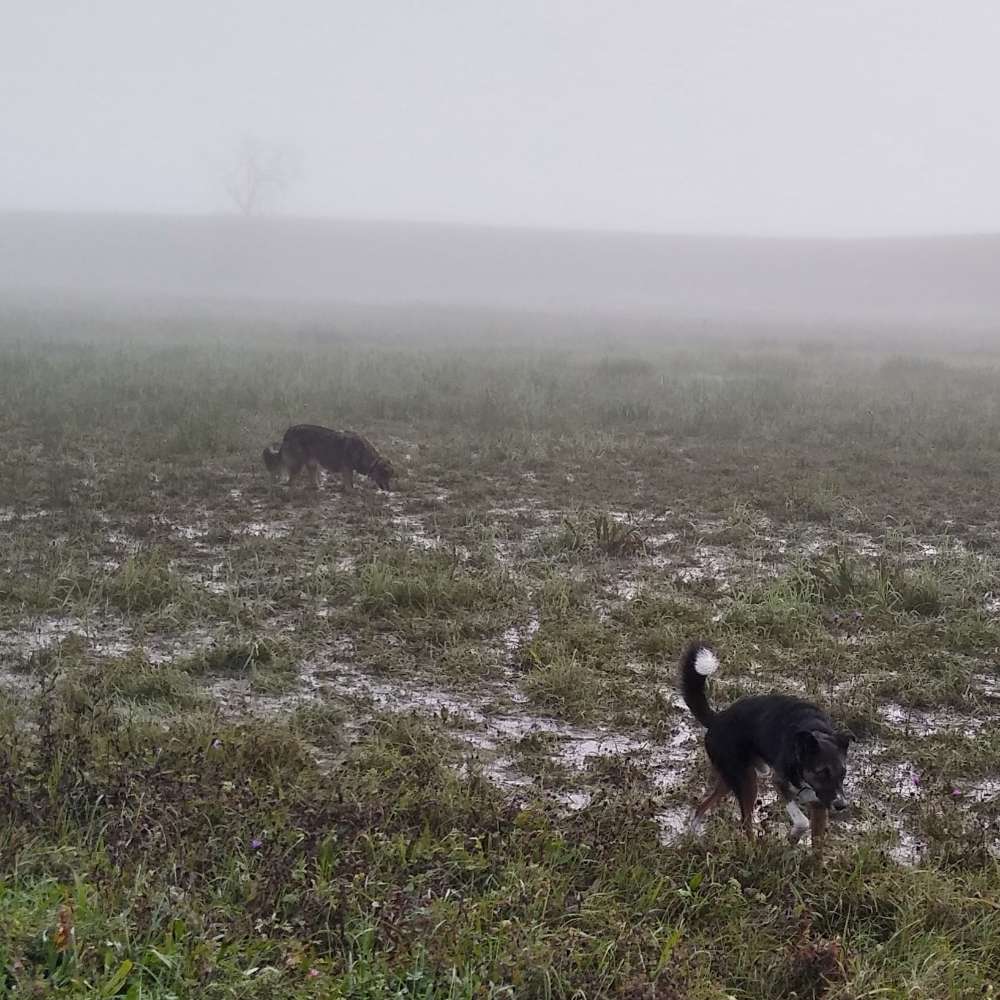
<point x="347" y="477"/>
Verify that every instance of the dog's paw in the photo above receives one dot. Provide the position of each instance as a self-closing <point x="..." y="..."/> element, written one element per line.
<point x="796" y="833"/>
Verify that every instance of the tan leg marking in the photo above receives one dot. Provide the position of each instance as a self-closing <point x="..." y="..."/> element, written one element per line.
<point x="707" y="804"/>
<point x="748" y="800"/>
<point x="818" y="818"/>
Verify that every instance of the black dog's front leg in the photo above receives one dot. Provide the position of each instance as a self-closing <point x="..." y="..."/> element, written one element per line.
<point x="800" y="822"/>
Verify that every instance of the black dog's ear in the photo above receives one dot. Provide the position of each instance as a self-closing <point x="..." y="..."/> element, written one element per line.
<point x="845" y="738"/>
<point x="806" y="744"/>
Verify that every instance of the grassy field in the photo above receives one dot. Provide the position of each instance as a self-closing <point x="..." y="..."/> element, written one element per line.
<point x="258" y="741"/>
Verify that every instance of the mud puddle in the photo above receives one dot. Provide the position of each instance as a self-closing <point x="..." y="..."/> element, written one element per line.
<point x="493" y="727"/>
<point x="265" y="529"/>
<point x="102" y="638"/>
<point x="9" y="515"/>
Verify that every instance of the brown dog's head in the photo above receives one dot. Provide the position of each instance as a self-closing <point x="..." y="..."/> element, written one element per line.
<point x="382" y="474"/>
<point x="272" y="460"/>
<point x="823" y="761"/>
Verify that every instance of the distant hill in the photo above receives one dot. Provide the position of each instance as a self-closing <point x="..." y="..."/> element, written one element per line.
<point x="933" y="282"/>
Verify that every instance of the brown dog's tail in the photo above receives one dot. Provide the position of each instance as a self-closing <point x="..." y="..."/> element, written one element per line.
<point x="697" y="664"/>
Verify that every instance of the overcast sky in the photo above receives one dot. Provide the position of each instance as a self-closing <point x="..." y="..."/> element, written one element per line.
<point x="721" y="116"/>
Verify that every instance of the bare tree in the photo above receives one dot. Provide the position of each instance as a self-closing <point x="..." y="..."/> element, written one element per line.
<point x="260" y="174"/>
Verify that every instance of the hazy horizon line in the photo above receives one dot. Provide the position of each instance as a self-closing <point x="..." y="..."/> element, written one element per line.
<point x="501" y="227"/>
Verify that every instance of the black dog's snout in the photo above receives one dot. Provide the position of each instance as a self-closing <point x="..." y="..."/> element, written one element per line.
<point x="839" y="805"/>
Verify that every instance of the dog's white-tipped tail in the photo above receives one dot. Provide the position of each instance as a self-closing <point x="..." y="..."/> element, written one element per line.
<point x="706" y="662"/>
<point x="697" y="662"/>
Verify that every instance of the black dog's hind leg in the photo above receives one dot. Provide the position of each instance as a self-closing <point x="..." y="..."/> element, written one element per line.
<point x="741" y="780"/>
<point x="714" y="797"/>
<point x="747" y="796"/>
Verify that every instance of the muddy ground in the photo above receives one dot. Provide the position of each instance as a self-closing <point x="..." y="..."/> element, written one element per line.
<point x="540" y="638"/>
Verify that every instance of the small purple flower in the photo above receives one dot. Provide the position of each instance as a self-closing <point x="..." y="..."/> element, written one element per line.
<point x="256" y="844"/>
<point x="956" y="792"/>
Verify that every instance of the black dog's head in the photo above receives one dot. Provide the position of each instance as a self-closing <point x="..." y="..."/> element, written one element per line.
<point x="823" y="761"/>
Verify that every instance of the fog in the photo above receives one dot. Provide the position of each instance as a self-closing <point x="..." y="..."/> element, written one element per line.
<point x="393" y="121"/>
<point x="926" y="283"/>
<point x="764" y="117"/>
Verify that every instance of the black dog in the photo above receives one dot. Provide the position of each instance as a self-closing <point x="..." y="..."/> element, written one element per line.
<point x="795" y="740"/>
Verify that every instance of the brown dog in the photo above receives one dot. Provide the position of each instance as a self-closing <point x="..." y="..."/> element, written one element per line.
<point x="309" y="446"/>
